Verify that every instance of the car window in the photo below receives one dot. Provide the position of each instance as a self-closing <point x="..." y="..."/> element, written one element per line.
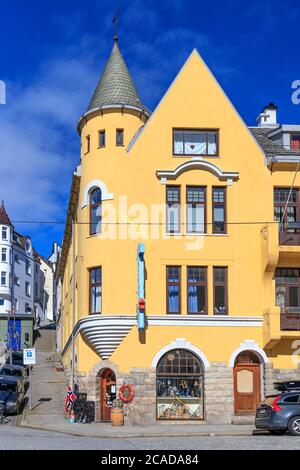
<point x="5" y="387"/>
<point x="291" y="399"/>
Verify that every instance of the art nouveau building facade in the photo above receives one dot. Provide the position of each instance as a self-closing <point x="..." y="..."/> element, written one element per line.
<point x="175" y="276"/>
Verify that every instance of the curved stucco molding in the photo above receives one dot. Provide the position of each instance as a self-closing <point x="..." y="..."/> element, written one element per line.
<point x="181" y="343"/>
<point x="198" y="164"/>
<point x="106" y="196"/>
<point x="248" y="345"/>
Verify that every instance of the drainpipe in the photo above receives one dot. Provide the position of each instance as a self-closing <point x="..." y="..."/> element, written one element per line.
<point x="141" y="287"/>
<point x="73" y="302"/>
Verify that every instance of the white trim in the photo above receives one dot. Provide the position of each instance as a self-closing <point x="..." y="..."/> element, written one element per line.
<point x="248" y="345"/>
<point x="198" y="164"/>
<point x="92" y="185"/>
<point x="180" y="343"/>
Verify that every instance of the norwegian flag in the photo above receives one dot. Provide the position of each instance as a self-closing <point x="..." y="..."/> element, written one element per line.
<point x="70" y="399"/>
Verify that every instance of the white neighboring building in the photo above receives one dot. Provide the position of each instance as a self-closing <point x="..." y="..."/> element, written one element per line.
<point x="57" y="290"/>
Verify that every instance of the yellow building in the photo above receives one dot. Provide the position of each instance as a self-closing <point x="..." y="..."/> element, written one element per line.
<point x="175" y="276"/>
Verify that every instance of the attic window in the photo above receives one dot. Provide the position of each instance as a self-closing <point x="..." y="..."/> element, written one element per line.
<point x="195" y="142"/>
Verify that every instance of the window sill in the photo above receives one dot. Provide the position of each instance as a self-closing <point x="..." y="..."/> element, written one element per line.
<point x="101" y="146"/>
<point x="193" y="155"/>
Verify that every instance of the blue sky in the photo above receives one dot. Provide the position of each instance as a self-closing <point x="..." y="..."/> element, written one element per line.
<point x="52" y="54"/>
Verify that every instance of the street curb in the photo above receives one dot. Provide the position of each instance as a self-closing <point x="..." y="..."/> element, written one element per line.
<point x="142" y="435"/>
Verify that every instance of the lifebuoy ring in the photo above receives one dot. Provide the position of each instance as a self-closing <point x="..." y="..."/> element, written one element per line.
<point x="126" y="393"/>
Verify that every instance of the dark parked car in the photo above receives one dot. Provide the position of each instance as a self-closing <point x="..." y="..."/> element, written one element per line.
<point x="18" y="372"/>
<point x="280" y="412"/>
<point x="12" y="395"/>
<point x="17" y="360"/>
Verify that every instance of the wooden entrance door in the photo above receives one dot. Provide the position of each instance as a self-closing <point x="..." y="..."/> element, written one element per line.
<point x="246" y="388"/>
<point x="108" y="393"/>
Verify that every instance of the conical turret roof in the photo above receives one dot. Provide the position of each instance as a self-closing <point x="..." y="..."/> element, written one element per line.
<point x="4" y="219"/>
<point x="116" y="86"/>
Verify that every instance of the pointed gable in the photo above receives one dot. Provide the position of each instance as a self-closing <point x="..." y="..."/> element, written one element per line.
<point x="4" y="219"/>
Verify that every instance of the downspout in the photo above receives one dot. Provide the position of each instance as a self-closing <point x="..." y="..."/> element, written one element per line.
<point x="141" y="287"/>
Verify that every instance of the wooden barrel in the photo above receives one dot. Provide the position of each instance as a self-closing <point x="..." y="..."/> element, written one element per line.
<point x="117" y="416"/>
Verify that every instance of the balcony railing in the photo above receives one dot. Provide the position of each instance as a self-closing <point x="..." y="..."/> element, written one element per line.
<point x="289" y="234"/>
<point x="290" y="319"/>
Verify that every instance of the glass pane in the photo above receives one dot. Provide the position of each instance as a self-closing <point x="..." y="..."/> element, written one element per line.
<point x="178" y="142"/>
<point x="218" y="195"/>
<point x="173" y="274"/>
<point x="196" y="218"/>
<point x="96" y="276"/>
<point x="173" y="299"/>
<point x="293" y="297"/>
<point x="212" y="143"/>
<point x="195" y="194"/>
<point x="173" y="194"/>
<point x="173" y="218"/>
<point x="196" y="274"/>
<point x="280" y="297"/>
<point x="220" y="301"/>
<point x="195" y="143"/>
<point x="96" y="299"/>
<point x="95" y="197"/>
<point x="219" y="219"/>
<point x="196" y="299"/>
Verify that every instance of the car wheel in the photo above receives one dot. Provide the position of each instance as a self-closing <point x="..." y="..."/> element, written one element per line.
<point x="294" y="426"/>
<point x="277" y="432"/>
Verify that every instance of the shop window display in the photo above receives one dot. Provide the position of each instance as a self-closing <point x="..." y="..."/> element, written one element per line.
<point x="179" y="386"/>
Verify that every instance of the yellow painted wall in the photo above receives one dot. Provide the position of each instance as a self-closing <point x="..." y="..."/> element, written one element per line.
<point x="195" y="100"/>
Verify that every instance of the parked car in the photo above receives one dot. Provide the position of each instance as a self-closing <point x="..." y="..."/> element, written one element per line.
<point x="17" y="360"/>
<point x="20" y="372"/>
<point x="12" y="395"/>
<point x="279" y="413"/>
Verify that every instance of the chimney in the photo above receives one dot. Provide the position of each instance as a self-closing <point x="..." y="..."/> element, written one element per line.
<point x="268" y="116"/>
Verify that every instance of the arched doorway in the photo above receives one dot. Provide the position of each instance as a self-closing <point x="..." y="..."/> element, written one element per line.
<point x="247" y="382"/>
<point x="179" y="386"/>
<point x="107" y="393"/>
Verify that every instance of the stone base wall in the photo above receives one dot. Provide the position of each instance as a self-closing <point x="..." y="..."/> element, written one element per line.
<point x="218" y="391"/>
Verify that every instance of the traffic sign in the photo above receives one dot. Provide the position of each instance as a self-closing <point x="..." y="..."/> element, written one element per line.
<point x="29" y="357"/>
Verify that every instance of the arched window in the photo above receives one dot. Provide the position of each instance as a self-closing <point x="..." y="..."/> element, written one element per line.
<point x="179" y="386"/>
<point x="95" y="211"/>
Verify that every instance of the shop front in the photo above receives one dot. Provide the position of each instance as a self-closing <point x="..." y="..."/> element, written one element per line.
<point x="180" y="392"/>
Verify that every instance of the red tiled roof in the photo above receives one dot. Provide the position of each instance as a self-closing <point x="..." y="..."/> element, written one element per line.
<point x="4" y="219"/>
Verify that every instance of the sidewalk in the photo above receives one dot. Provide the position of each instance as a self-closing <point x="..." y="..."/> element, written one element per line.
<point x="48" y="398"/>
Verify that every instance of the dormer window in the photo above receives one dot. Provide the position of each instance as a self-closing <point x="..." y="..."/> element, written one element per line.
<point x="102" y="138"/>
<point x="295" y="141"/>
<point x="192" y="142"/>
<point x="120" y="137"/>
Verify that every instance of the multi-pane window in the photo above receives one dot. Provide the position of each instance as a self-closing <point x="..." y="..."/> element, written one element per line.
<point x="219" y="210"/>
<point x="120" y="136"/>
<point x="95" y="211"/>
<point x="197" y="289"/>
<point x="173" y="209"/>
<point x="286" y="206"/>
<point x="220" y="291"/>
<point x="102" y="138"/>
<point x="3" y="278"/>
<point x="28" y="308"/>
<point x="196" y="209"/>
<point x="173" y="289"/>
<point x="4" y="255"/>
<point x="27" y="289"/>
<point x="195" y="142"/>
<point x="95" y="290"/>
<point x="4" y="233"/>
<point x="288" y="288"/>
<point x="295" y="141"/>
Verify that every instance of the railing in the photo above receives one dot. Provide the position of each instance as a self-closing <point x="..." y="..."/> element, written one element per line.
<point x="290" y="319"/>
<point x="286" y="238"/>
